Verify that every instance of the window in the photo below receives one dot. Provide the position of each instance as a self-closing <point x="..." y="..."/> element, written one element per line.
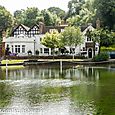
<point x="52" y="30"/>
<point x="96" y="49"/>
<point x="84" y="49"/>
<point x="88" y="39"/>
<point x="17" y="48"/>
<point x="12" y="48"/>
<point x="72" y="50"/>
<point x="40" y="50"/>
<point x="40" y="39"/>
<point x="46" y="50"/>
<point x="23" y="48"/>
<point x="62" y="30"/>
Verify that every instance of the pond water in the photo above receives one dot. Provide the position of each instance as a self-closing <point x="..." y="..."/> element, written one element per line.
<point x="42" y="90"/>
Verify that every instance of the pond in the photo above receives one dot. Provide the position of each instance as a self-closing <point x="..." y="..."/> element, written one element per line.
<point x="71" y="90"/>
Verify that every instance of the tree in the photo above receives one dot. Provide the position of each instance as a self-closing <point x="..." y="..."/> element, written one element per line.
<point x="75" y="20"/>
<point x="59" y="12"/>
<point x="88" y="12"/>
<point x="52" y="40"/>
<point x="103" y="37"/>
<point x="86" y="15"/>
<point x="31" y="16"/>
<point x="28" y="17"/>
<point x="106" y="12"/>
<point x="6" y="20"/>
<point x="72" y="37"/>
<point x="74" y="7"/>
<point x="19" y="17"/>
<point x="48" y="20"/>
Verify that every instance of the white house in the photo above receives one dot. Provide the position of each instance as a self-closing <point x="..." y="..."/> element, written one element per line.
<point x="24" y="39"/>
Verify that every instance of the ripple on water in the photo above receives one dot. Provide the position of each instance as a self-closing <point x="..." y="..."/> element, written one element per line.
<point x="47" y="82"/>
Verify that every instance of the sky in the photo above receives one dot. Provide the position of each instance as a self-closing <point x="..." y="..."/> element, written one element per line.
<point x="13" y="5"/>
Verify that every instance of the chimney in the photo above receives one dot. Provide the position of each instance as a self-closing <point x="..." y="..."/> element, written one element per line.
<point x="3" y="36"/>
<point x="97" y="23"/>
<point x="42" y="27"/>
<point x="3" y="42"/>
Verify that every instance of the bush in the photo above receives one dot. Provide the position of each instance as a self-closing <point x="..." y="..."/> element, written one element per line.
<point x="107" y="49"/>
<point x="101" y="57"/>
<point x="37" y="52"/>
<point x="29" y="52"/>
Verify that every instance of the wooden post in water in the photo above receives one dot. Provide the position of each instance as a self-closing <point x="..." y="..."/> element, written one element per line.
<point x="61" y="66"/>
<point x="6" y="68"/>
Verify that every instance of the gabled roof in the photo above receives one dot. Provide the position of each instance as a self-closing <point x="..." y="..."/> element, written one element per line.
<point x="23" y="26"/>
<point x="33" y="27"/>
<point x="26" y="27"/>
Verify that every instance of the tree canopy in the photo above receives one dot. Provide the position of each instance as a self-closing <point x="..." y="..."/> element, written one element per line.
<point x="52" y="40"/>
<point x="72" y="36"/>
<point x="59" y="12"/>
<point x="106" y="12"/>
<point x="6" y="20"/>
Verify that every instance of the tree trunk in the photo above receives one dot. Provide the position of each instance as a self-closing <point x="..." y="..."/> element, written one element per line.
<point x="99" y="49"/>
<point x="93" y="49"/>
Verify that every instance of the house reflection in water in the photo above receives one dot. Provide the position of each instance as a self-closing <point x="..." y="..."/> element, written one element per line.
<point x="73" y="73"/>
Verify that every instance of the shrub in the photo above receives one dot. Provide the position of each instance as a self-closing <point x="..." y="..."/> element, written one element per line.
<point x="101" y="57"/>
<point x="29" y="52"/>
<point x="37" y="52"/>
<point x="103" y="49"/>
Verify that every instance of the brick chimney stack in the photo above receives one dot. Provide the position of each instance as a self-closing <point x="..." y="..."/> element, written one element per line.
<point x="3" y="42"/>
<point x="42" y="27"/>
<point x="97" y="23"/>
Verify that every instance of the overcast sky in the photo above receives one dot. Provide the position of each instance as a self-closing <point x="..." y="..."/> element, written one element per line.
<point x="13" y="5"/>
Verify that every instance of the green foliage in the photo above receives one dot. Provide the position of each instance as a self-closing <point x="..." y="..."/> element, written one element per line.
<point x="75" y="20"/>
<point x="101" y="57"/>
<point x="72" y="36"/>
<point x="28" y="17"/>
<point x="106" y="12"/>
<point x="6" y="20"/>
<point x="48" y="20"/>
<point x="102" y="36"/>
<point x="103" y="49"/>
<point x="52" y="40"/>
<point x="19" y="17"/>
<point x="74" y="7"/>
<point x="86" y="14"/>
<point x="59" y="12"/>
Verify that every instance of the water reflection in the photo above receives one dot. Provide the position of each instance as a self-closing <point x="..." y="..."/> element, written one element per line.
<point x="78" y="90"/>
<point x="36" y="72"/>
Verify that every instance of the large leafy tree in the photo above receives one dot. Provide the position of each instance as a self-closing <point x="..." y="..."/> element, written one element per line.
<point x="72" y="36"/>
<point x="31" y="16"/>
<point x="74" y="7"/>
<point x="48" y="19"/>
<point x="28" y="17"/>
<point x="103" y="36"/>
<point x="6" y="20"/>
<point x="86" y="15"/>
<point x="59" y="12"/>
<point x="52" y="40"/>
<point x="106" y="12"/>
<point x="19" y="17"/>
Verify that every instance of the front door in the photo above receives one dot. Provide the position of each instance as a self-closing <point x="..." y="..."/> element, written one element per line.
<point x="90" y="53"/>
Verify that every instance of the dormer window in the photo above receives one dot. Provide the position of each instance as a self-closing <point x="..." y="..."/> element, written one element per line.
<point x="52" y="30"/>
<point x="89" y="39"/>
